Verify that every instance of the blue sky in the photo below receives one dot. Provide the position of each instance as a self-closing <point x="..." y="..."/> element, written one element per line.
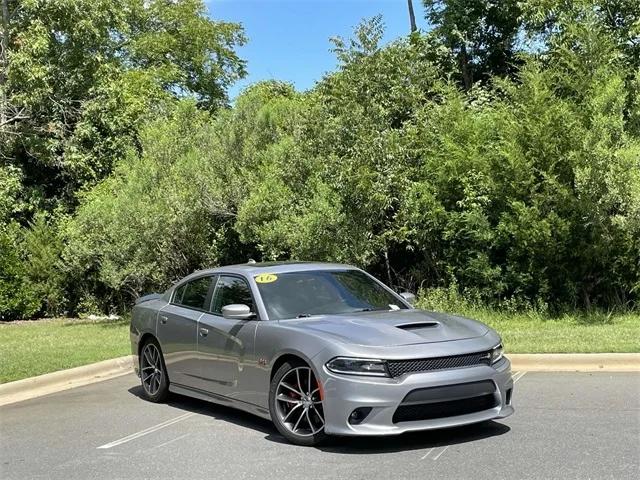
<point x="289" y="39"/>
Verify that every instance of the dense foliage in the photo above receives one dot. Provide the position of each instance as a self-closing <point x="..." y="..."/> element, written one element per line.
<point x="496" y="156"/>
<point x="79" y="76"/>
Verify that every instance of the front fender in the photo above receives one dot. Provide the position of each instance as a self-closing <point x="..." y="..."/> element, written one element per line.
<point x="273" y="341"/>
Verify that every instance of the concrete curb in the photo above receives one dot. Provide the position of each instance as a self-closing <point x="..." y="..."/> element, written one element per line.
<point x="575" y="362"/>
<point x="20" y="390"/>
<point x="97" y="372"/>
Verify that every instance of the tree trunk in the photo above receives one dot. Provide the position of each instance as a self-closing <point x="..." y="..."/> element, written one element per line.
<point x="467" y="76"/>
<point x="412" y="16"/>
<point x="4" y="47"/>
<point x="388" y="266"/>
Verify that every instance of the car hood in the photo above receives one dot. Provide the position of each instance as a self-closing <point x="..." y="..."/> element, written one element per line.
<point x="392" y="328"/>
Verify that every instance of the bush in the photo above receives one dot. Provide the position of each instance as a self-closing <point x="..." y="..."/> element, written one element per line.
<point x="31" y="281"/>
<point x="18" y="298"/>
<point x="158" y="218"/>
<point x="44" y="271"/>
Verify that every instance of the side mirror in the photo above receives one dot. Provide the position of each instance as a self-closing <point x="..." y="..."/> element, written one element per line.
<point x="237" y="311"/>
<point x="409" y="297"/>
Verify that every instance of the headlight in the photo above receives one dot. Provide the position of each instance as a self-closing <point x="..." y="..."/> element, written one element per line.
<point x="496" y="353"/>
<point x="358" y="366"/>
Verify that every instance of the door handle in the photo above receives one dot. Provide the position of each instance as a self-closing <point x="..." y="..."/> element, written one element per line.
<point x="204" y="332"/>
<point x="163" y="319"/>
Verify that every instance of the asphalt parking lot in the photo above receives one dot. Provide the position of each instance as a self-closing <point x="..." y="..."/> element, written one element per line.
<point x="566" y="425"/>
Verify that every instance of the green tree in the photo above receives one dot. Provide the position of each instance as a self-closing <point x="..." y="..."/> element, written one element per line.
<point x="522" y="190"/>
<point x="351" y="154"/>
<point x="80" y="76"/>
<point x="511" y="191"/>
<point x="479" y="36"/>
<point x="159" y="216"/>
<point x="560" y="24"/>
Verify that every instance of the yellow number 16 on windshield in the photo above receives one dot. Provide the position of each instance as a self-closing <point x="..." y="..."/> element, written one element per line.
<point x="266" y="278"/>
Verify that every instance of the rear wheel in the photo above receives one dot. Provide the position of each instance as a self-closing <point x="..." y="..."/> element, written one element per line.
<point x="295" y="403"/>
<point x="153" y="373"/>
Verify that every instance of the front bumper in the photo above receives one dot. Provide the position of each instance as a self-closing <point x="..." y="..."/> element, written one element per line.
<point x="344" y="393"/>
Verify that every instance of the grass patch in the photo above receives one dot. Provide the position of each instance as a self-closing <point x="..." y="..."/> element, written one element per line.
<point x="569" y="333"/>
<point x="32" y="348"/>
<point x="527" y="329"/>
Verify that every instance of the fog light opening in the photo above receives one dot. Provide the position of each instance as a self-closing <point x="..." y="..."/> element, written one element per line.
<point x="509" y="396"/>
<point x="359" y="414"/>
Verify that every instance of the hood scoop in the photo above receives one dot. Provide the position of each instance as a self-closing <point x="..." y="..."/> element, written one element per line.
<point x="417" y="325"/>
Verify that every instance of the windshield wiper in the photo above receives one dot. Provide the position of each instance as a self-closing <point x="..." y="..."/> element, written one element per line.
<point x="303" y="315"/>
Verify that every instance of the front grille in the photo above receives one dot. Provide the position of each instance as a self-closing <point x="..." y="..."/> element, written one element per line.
<point x="400" y="367"/>
<point x="429" y="411"/>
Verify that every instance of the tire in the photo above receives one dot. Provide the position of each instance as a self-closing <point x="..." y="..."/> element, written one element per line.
<point x="307" y="428"/>
<point x="153" y="372"/>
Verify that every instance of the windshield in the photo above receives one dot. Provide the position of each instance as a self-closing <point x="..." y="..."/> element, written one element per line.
<point x="322" y="292"/>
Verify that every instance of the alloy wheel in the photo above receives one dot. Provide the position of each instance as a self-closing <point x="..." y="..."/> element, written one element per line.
<point x="299" y="402"/>
<point x="151" y="369"/>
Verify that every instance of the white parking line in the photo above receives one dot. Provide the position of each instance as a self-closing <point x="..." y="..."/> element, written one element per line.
<point x="440" y="453"/>
<point x="171" y="441"/>
<point x="146" y="431"/>
<point x="427" y="454"/>
<point x="518" y="376"/>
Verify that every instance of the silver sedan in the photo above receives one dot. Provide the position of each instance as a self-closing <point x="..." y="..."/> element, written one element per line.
<point x="320" y="349"/>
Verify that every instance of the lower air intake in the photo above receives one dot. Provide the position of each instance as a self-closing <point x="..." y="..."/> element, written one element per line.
<point x="454" y="408"/>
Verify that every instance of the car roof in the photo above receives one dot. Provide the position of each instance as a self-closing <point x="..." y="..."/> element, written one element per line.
<point x="282" y="267"/>
<point x="273" y="267"/>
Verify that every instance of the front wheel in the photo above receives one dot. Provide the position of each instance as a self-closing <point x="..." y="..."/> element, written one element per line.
<point x="295" y="403"/>
<point x="153" y="374"/>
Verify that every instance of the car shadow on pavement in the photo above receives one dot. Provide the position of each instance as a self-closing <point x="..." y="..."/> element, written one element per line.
<point x="215" y="410"/>
<point x="341" y="445"/>
<point x="415" y="440"/>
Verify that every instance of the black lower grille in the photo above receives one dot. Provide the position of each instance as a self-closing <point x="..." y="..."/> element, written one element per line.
<point x="400" y="367"/>
<point x="429" y="411"/>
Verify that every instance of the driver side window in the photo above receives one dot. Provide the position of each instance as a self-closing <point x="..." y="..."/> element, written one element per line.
<point x="230" y="290"/>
